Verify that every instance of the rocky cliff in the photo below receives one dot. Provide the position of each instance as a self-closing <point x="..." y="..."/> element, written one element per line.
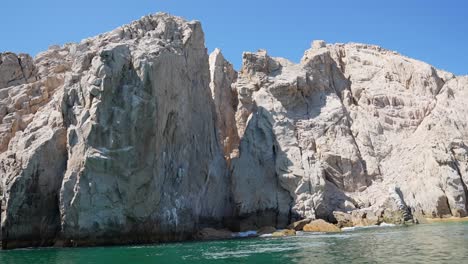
<point x="137" y="135"/>
<point x="352" y="127"/>
<point x="122" y="146"/>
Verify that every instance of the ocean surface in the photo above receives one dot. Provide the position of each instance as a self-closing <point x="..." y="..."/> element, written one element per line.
<point x="430" y="243"/>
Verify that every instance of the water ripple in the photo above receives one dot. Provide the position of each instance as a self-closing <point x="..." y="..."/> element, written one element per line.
<point x="435" y="243"/>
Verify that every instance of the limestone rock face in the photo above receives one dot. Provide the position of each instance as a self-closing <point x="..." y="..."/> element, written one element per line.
<point x="352" y="126"/>
<point x="127" y="150"/>
<point x="410" y="126"/>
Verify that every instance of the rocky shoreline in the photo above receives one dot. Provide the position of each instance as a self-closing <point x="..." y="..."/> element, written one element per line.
<point x="138" y="135"/>
<point x="314" y="227"/>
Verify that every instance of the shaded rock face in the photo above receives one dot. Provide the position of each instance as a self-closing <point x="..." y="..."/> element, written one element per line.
<point x="127" y="150"/>
<point x="136" y="135"/>
<point x="297" y="142"/>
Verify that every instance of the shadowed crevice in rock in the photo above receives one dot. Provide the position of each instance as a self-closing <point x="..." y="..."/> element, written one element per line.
<point x="460" y="162"/>
<point x="465" y="190"/>
<point x="257" y="192"/>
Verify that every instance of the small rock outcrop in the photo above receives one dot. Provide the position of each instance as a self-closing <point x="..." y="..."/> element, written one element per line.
<point x="320" y="226"/>
<point x="284" y="233"/>
<point x="138" y="136"/>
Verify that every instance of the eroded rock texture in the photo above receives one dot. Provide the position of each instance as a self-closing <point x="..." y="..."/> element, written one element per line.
<point x="136" y="136"/>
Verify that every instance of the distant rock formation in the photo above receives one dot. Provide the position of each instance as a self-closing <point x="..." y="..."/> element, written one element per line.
<point x="137" y="136"/>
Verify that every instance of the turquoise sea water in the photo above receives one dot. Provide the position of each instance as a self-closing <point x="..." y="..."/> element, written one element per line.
<point x="434" y="243"/>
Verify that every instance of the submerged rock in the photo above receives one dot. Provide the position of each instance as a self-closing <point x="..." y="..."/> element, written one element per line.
<point x="283" y="233"/>
<point x="249" y="233"/>
<point x="214" y="234"/>
<point x="266" y="230"/>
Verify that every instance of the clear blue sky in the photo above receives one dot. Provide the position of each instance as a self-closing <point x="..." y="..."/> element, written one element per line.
<point x="432" y="31"/>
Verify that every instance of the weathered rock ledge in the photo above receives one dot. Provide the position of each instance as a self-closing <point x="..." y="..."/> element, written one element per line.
<point x="138" y="136"/>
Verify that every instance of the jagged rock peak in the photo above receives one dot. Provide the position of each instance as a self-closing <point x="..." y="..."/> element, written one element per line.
<point x="16" y="69"/>
<point x="157" y="26"/>
<point x="161" y="26"/>
<point x="317" y="44"/>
